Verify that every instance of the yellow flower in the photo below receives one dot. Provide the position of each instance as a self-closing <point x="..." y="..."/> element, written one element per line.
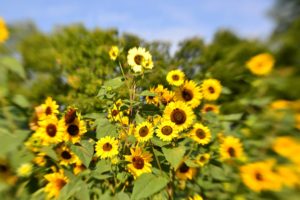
<point x="175" y="77"/>
<point x="56" y="181"/>
<point x="48" y="108"/>
<point x="288" y="147"/>
<point x="297" y="121"/>
<point x="259" y="176"/>
<point x="74" y="81"/>
<point x="66" y="156"/>
<point x="40" y="159"/>
<point x="185" y="172"/>
<point x="4" y="34"/>
<point x="202" y="159"/>
<point x="78" y="168"/>
<point x="114" y="114"/>
<point x="48" y="131"/>
<point x="25" y="170"/>
<point x="166" y="131"/>
<point x="113" y="52"/>
<point x="139" y="162"/>
<point x="196" y="197"/>
<point x="152" y="99"/>
<point x="211" y="89"/>
<point x="72" y="131"/>
<point x="210" y="108"/>
<point x="261" y="64"/>
<point x="180" y="114"/>
<point x="107" y="147"/>
<point x="144" y="132"/>
<point x="189" y="93"/>
<point x="288" y="175"/>
<point x="231" y="147"/>
<point x="280" y="105"/>
<point x="201" y="134"/>
<point x="139" y="58"/>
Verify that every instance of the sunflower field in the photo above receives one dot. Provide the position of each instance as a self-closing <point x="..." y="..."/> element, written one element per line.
<point x="95" y="114"/>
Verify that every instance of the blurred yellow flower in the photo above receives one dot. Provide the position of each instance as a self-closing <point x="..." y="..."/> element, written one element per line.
<point x="231" y="147"/>
<point x="210" y="108"/>
<point x="203" y="159"/>
<point x="185" y="172"/>
<point x="176" y="77"/>
<point x="139" y="162"/>
<point x="261" y="64"/>
<point x="211" y="89"/>
<point x="25" y="170"/>
<point x="4" y="34"/>
<point x="201" y="134"/>
<point x="66" y="156"/>
<point x="196" y="197"/>
<point x="56" y="181"/>
<point x="113" y="52"/>
<point x="107" y="147"/>
<point x="189" y="93"/>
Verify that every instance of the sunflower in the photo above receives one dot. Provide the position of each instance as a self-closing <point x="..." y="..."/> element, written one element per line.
<point x="107" y="147"/>
<point x="166" y="131"/>
<point x="261" y="64"/>
<point x="56" y="181"/>
<point x="4" y="34"/>
<point x="72" y="131"/>
<point x="210" y="108"/>
<point x="260" y="176"/>
<point x="78" y="168"/>
<point x="202" y="159"/>
<point x="175" y="77"/>
<point x="189" y="93"/>
<point x="185" y="172"/>
<point x="211" y="89"/>
<point x="288" y="147"/>
<point x="6" y="174"/>
<point x="114" y="114"/>
<point x="40" y="159"/>
<point x="201" y="134"/>
<point x="288" y="175"/>
<point x="113" y="52"/>
<point x="25" y="170"/>
<point x="139" y="58"/>
<point x="180" y="114"/>
<point x="166" y="97"/>
<point x="152" y="99"/>
<point x="144" y="131"/>
<point x="70" y="115"/>
<point x="139" y="162"/>
<point x="48" y="131"/>
<point x="48" y="108"/>
<point x="196" y="197"/>
<point x="66" y="156"/>
<point x="230" y="148"/>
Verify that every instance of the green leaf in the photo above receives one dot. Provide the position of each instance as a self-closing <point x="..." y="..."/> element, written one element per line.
<point x="231" y="117"/>
<point x="174" y="155"/>
<point x="49" y="152"/>
<point x="139" y="119"/>
<point x="83" y="193"/>
<point x="10" y="141"/>
<point x="106" y="128"/>
<point x="102" y="167"/>
<point x="114" y="83"/>
<point x="147" y="93"/>
<point x="13" y="65"/>
<point x="21" y="101"/>
<point x="147" y="185"/>
<point x="85" y="152"/>
<point x="121" y="196"/>
<point x="70" y="189"/>
<point x="217" y="173"/>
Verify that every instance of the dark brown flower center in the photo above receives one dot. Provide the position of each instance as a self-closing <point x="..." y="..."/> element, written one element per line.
<point x="143" y="131"/>
<point x="231" y="152"/>
<point x="66" y="155"/>
<point x="187" y="95"/>
<point x="209" y="108"/>
<point x="211" y="90"/>
<point x="107" y="146"/>
<point x="70" y="116"/>
<point x="166" y="130"/>
<point x="51" y="130"/>
<point x="3" y="168"/>
<point x="60" y="183"/>
<point x="115" y="113"/>
<point x="73" y="130"/>
<point x="48" y="111"/>
<point x="202" y="159"/>
<point x="138" y="59"/>
<point x="258" y="176"/>
<point x="178" y="116"/>
<point x="200" y="133"/>
<point x="138" y="162"/>
<point x="175" y="77"/>
<point x="184" y="168"/>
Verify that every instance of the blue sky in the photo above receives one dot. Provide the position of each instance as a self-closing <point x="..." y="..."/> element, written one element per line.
<point x="170" y="20"/>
